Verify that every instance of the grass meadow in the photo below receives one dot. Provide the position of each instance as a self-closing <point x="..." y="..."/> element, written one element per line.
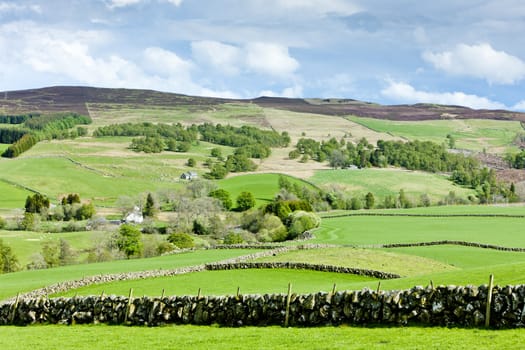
<point x="28" y="280"/>
<point x="384" y="182"/>
<point x="472" y="134"/>
<point x="199" y="337"/>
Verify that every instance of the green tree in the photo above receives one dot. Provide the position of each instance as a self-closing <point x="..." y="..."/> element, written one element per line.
<point x="129" y="241"/>
<point x="51" y="253"/>
<point x="36" y="203"/>
<point x="150" y="208"/>
<point x="245" y="201"/>
<point x="181" y="240"/>
<point x="191" y="162"/>
<point x="369" y="200"/>
<point x="8" y="260"/>
<point x="223" y="196"/>
<point x="66" y="254"/>
<point x="233" y="238"/>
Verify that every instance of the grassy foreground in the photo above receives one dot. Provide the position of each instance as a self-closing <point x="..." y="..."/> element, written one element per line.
<point x="195" y="337"/>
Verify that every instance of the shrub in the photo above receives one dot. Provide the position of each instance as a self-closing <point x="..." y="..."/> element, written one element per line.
<point x="245" y="201"/>
<point x="301" y="221"/>
<point x="129" y="241"/>
<point x="233" y="238"/>
<point x="8" y="260"/>
<point x="3" y="223"/>
<point x="181" y="240"/>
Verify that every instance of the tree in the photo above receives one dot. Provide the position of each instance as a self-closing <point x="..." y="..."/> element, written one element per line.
<point x="301" y="221"/>
<point x="150" y="208"/>
<point x="223" y="196"/>
<point x="129" y="241"/>
<point x="51" y="253"/>
<point x="369" y="200"/>
<point x="181" y="240"/>
<point x="233" y="238"/>
<point x="191" y="162"/>
<point x="245" y="201"/>
<point x="66" y="255"/>
<point x="36" y="203"/>
<point x="8" y="260"/>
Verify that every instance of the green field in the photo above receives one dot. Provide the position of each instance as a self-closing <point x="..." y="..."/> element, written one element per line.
<point x="195" y="337"/>
<point x="28" y="280"/>
<point x="474" y="134"/>
<point x="25" y="243"/>
<point x="263" y="186"/>
<point x="11" y="196"/>
<point x="383" y="182"/>
<point x="370" y="230"/>
<point x="256" y="281"/>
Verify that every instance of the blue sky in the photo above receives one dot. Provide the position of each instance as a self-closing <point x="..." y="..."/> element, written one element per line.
<point x="467" y="52"/>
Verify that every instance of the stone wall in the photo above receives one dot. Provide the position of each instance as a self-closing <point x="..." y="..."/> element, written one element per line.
<point x="301" y="266"/>
<point x="448" y="306"/>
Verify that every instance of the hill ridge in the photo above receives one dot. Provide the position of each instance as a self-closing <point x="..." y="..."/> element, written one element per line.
<point x="75" y="99"/>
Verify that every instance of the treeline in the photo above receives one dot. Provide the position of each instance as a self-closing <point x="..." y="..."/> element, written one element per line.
<point x="517" y="160"/>
<point x="41" y="127"/>
<point x="413" y="155"/>
<point x="10" y="135"/>
<point x="228" y="135"/>
<point x="18" y="147"/>
<point x="175" y="131"/>
<point x="17" y="119"/>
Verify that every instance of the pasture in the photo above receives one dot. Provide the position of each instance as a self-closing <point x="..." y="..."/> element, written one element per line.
<point x="373" y="230"/>
<point x="388" y="182"/>
<point x="196" y="337"/>
<point x="263" y="186"/>
<point x="28" y="280"/>
<point x="495" y="136"/>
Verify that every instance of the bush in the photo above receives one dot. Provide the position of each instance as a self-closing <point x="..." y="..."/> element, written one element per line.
<point x="8" y="260"/>
<point x="301" y="221"/>
<point x="245" y="201"/>
<point x="233" y="238"/>
<point x="181" y="240"/>
<point x="129" y="241"/>
<point x="3" y="223"/>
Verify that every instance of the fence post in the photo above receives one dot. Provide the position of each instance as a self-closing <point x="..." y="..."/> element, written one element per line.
<point x="238" y="291"/>
<point x="334" y="289"/>
<point x="128" y="307"/>
<point x="199" y="294"/>
<point x="489" y="301"/>
<point x="288" y="298"/>
<point x="378" y="288"/>
<point x="162" y="295"/>
<point x="15" y="307"/>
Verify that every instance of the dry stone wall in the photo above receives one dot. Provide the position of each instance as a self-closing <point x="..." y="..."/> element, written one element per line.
<point x="449" y="306"/>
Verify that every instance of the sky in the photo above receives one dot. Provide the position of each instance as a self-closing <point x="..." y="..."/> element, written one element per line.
<point x="467" y="52"/>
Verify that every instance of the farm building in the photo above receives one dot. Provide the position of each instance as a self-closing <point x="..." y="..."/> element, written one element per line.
<point x="134" y="217"/>
<point x="190" y="175"/>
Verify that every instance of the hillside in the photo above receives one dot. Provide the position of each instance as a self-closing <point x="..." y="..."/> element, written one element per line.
<point x="78" y="98"/>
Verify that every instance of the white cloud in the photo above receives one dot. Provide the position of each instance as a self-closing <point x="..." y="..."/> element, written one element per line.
<point x="479" y="61"/>
<point x="122" y="3"/>
<point x="308" y="8"/>
<point x="257" y="57"/>
<point x="166" y="63"/>
<point x="10" y="7"/>
<point x="405" y="93"/>
<point x="520" y="106"/>
<point x="295" y="91"/>
<point x="271" y="59"/>
<point x="222" y="57"/>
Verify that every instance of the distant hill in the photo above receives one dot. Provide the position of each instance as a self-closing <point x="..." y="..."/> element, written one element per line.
<point x="76" y="98"/>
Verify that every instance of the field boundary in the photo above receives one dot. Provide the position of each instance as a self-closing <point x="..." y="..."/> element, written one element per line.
<point x="444" y="306"/>
<point x="447" y="242"/>
<point x="516" y="216"/>
<point x="302" y="266"/>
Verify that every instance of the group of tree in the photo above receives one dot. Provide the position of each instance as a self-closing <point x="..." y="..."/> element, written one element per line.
<point x="8" y="260"/>
<point x="42" y="127"/>
<point x="70" y="208"/>
<point x="169" y="131"/>
<point x="516" y="160"/>
<point x="228" y="135"/>
<point x="18" y="118"/>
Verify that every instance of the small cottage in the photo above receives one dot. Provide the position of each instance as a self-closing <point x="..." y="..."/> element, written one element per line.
<point x="134" y="217"/>
<point x="190" y="175"/>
